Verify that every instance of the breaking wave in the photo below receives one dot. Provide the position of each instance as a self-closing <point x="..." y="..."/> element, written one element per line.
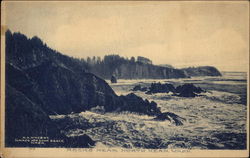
<point x="214" y="120"/>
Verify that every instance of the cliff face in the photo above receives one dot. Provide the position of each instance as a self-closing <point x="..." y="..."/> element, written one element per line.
<point x="121" y="68"/>
<point x="148" y="71"/>
<point x="64" y="90"/>
<point x="202" y="71"/>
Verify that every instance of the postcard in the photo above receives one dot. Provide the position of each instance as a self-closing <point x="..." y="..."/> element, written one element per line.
<point x="124" y="79"/>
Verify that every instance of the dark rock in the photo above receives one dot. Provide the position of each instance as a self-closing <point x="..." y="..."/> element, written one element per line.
<point x="63" y="91"/>
<point x="188" y="90"/>
<point x="133" y="103"/>
<point x="139" y="88"/>
<point x="187" y="93"/>
<point x="144" y="89"/>
<point x="160" y="88"/>
<point x="113" y="79"/>
<point x="19" y="80"/>
<point x="25" y="118"/>
<point x="177" y="120"/>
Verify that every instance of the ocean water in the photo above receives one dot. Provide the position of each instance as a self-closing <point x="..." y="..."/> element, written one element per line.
<point x="214" y="120"/>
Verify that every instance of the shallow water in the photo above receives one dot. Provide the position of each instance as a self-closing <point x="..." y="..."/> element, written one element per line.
<point x="215" y="120"/>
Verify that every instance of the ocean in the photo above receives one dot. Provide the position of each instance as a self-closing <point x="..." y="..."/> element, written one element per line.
<point x="216" y="119"/>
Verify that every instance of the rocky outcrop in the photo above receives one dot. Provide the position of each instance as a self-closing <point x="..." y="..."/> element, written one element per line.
<point x="188" y="90"/>
<point x="139" y="88"/>
<point x="132" y="102"/>
<point x="58" y="90"/>
<point x="113" y="79"/>
<point x="57" y="83"/>
<point x="63" y="90"/>
<point x="202" y="71"/>
<point x="52" y="89"/>
<point x="177" y="120"/>
<point x="161" y="88"/>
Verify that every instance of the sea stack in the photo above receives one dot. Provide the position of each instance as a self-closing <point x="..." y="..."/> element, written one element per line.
<point x="113" y="79"/>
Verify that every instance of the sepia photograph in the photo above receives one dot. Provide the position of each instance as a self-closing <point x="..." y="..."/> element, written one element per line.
<point x="124" y="79"/>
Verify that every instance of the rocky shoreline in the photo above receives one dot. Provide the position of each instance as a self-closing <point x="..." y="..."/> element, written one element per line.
<point x="42" y="82"/>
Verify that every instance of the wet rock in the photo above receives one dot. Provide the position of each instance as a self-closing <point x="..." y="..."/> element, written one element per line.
<point x="188" y="90"/>
<point x="134" y="103"/>
<point x="160" y="88"/>
<point x="177" y="120"/>
<point x="139" y="88"/>
<point x="113" y="79"/>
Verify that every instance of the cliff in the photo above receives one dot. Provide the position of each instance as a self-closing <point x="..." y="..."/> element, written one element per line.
<point x="202" y="71"/>
<point x="121" y="68"/>
<point x="147" y="71"/>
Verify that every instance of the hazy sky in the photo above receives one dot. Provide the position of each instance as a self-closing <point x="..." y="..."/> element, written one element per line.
<point x="177" y="33"/>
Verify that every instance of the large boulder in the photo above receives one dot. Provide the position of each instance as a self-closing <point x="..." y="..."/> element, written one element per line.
<point x="188" y="90"/>
<point x="160" y="88"/>
<point x="113" y="79"/>
<point x="139" y="88"/>
<point x="133" y="103"/>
